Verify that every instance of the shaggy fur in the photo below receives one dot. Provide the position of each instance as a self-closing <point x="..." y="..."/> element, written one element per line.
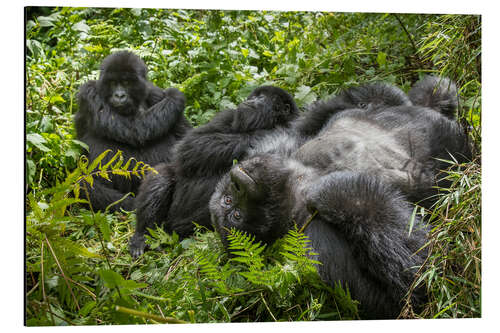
<point x="179" y="195"/>
<point x="124" y="111"/>
<point x="361" y="173"/>
<point x="367" y="97"/>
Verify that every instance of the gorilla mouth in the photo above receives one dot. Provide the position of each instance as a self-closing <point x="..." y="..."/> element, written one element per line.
<point x="245" y="173"/>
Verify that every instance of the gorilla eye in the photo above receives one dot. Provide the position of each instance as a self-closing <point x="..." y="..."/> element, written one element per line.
<point x="237" y="214"/>
<point x="228" y="200"/>
<point x="286" y="107"/>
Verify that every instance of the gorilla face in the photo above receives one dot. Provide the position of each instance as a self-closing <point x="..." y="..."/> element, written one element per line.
<point x="122" y="83"/>
<point x="265" y="108"/>
<point x="251" y="198"/>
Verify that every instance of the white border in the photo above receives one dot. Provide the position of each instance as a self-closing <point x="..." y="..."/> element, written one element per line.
<point x="12" y="160"/>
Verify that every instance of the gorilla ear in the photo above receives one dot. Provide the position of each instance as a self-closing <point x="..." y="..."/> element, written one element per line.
<point x="243" y="185"/>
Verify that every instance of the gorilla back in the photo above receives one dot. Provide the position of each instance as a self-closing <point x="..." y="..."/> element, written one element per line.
<point x="124" y="111"/>
<point x="359" y="178"/>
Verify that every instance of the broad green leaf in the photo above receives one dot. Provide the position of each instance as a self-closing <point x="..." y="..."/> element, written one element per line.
<point x="111" y="278"/>
<point x="81" y="26"/>
<point x="38" y="141"/>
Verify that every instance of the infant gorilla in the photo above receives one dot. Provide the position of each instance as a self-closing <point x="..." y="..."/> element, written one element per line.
<point x="359" y="171"/>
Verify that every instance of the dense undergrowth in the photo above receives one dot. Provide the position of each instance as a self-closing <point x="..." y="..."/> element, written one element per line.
<point x="78" y="270"/>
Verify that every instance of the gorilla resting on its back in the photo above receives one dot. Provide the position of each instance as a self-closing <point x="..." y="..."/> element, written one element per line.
<point x="179" y="194"/>
<point x="360" y="171"/>
<point x="124" y="111"/>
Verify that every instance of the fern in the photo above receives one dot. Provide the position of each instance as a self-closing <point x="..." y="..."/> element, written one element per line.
<point x="244" y="249"/>
<point x="56" y="262"/>
<point x="296" y="247"/>
<point x="113" y="166"/>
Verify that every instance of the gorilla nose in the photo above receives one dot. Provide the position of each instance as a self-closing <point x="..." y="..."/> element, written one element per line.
<point x="120" y="96"/>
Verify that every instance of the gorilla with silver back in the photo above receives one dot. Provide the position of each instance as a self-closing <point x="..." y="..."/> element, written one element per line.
<point x="359" y="176"/>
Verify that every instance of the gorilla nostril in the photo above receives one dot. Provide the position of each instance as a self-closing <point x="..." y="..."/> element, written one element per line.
<point x="120" y="96"/>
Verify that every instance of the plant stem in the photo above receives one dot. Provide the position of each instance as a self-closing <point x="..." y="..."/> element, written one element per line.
<point x="165" y="320"/>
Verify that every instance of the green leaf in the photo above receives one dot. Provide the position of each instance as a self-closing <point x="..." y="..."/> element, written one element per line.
<point x="98" y="160"/>
<point x="85" y="310"/>
<point x="80" y="144"/>
<point x="38" y="141"/>
<point x="47" y="21"/>
<point x="55" y="99"/>
<point x="304" y="95"/>
<point x="81" y="26"/>
<point x="30" y="170"/>
<point x="103" y="224"/>
<point x="111" y="278"/>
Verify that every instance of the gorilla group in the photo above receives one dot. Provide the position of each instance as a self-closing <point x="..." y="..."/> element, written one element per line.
<point x="124" y="111"/>
<point x="361" y="162"/>
<point x="349" y="170"/>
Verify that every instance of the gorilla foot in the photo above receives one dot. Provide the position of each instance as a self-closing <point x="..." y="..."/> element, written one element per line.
<point x="137" y="245"/>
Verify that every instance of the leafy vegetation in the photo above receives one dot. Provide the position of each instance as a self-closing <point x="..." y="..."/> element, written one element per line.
<point x="78" y="270"/>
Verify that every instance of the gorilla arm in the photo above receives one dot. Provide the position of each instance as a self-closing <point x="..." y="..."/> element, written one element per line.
<point x="211" y="148"/>
<point x="318" y="115"/>
<point x="135" y="130"/>
<point x="152" y="203"/>
<point x="375" y="221"/>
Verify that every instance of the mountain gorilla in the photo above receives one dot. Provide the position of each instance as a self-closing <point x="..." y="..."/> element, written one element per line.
<point x="357" y="179"/>
<point x="124" y="111"/>
<point x="179" y="194"/>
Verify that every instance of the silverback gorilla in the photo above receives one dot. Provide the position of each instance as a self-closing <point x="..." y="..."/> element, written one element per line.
<point x="179" y="194"/>
<point x="124" y="111"/>
<point x="358" y="178"/>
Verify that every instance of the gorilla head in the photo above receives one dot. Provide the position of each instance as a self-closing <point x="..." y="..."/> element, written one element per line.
<point x="438" y="93"/>
<point x="265" y="108"/>
<point x="122" y="83"/>
<point x="248" y="199"/>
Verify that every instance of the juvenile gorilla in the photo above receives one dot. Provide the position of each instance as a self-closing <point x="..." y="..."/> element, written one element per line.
<point x="179" y="194"/>
<point x="356" y="179"/>
<point x="124" y="111"/>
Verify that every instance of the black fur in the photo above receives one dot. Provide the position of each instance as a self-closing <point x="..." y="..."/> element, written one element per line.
<point x="367" y="97"/>
<point x="361" y="174"/>
<point x="437" y="93"/>
<point x="124" y="111"/>
<point x="179" y="195"/>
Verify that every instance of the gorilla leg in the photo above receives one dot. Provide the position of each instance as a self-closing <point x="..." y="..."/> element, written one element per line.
<point x="374" y="219"/>
<point x="190" y="204"/>
<point x="153" y="202"/>
<point x="102" y="195"/>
